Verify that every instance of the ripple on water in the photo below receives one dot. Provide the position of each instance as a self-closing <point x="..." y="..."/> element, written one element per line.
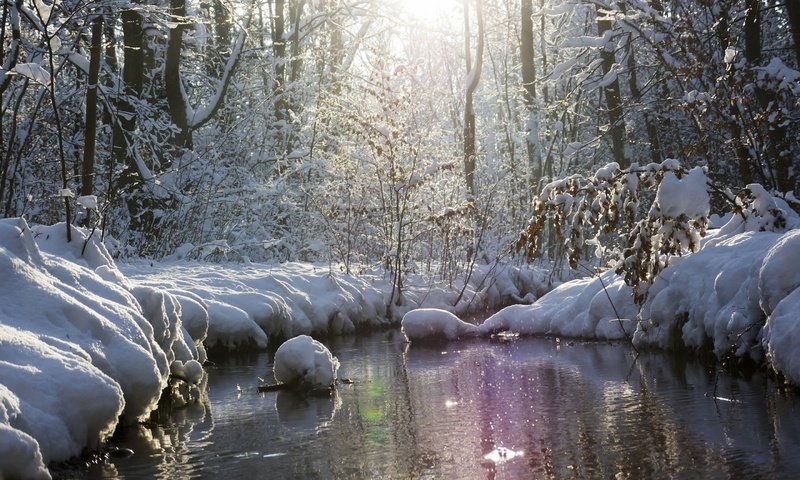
<point x="521" y="409"/>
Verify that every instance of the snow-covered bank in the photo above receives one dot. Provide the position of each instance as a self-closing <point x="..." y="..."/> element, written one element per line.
<point x="739" y="295"/>
<point x="85" y="344"/>
<point x="425" y="323"/>
<point x="247" y="304"/>
<point x="578" y="308"/>
<point x="79" y="348"/>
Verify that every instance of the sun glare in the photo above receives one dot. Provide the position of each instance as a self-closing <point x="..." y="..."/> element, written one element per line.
<point x="431" y="12"/>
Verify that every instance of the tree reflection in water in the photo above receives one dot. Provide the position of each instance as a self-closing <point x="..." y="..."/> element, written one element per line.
<point x="563" y="409"/>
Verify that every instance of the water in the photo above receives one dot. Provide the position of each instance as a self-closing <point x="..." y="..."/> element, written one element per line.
<point x="528" y="408"/>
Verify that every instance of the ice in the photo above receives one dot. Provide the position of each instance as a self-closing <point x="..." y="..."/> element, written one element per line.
<point x="305" y="361"/>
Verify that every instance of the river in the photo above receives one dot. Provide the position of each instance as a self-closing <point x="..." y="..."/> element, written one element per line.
<point x="524" y="408"/>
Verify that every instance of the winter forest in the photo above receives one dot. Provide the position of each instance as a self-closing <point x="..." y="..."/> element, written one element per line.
<point x="185" y="179"/>
<point x="366" y="131"/>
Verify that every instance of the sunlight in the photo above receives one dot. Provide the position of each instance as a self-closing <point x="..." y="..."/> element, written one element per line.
<point x="430" y="12"/>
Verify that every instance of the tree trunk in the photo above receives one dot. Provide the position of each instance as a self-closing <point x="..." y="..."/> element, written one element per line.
<point x="295" y="15"/>
<point x="473" y="77"/>
<point x="793" y="12"/>
<point x="527" y="61"/>
<point x="279" y="52"/>
<point x="132" y="78"/>
<point x="9" y="59"/>
<point x="613" y="97"/>
<point x="96" y="51"/>
<point x="636" y="93"/>
<point x="172" y="75"/>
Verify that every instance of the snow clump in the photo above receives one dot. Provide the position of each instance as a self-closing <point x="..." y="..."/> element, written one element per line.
<point x="432" y="323"/>
<point x="305" y="361"/>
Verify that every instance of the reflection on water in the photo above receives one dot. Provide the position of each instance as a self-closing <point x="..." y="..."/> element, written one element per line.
<point x="528" y="408"/>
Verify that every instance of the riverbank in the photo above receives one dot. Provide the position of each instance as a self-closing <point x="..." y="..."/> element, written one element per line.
<point x="86" y="344"/>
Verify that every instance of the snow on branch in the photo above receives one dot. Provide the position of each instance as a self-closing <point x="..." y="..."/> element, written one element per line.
<point x="640" y="240"/>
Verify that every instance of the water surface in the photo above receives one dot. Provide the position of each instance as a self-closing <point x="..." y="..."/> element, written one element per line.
<point x="528" y="408"/>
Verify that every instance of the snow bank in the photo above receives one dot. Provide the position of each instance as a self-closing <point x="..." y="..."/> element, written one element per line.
<point x="578" y="308"/>
<point x="738" y="295"/>
<point x="305" y="361"/>
<point x="710" y="296"/>
<point x="489" y="287"/>
<point x="431" y="323"/>
<point x="247" y="303"/>
<point x="79" y="348"/>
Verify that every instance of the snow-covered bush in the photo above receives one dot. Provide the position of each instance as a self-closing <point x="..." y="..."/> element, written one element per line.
<point x="640" y="240"/>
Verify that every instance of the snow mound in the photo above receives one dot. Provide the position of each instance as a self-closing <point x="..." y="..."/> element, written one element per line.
<point x="305" y="361"/>
<point x="584" y="308"/>
<point x="190" y="371"/>
<point x="711" y="296"/>
<point x="684" y="196"/>
<point x="781" y="337"/>
<point x="79" y="350"/>
<point x="780" y="272"/>
<point x="432" y="323"/>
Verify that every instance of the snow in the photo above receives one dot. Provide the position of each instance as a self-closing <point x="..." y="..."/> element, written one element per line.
<point x="711" y="295"/>
<point x="684" y="196"/>
<point x="609" y="77"/>
<point x="730" y="55"/>
<point x="607" y="172"/>
<point x="562" y="68"/>
<point x="780" y="271"/>
<point x="86" y="343"/>
<point x="245" y="304"/>
<point x="33" y="71"/>
<point x="78" y="351"/>
<point x="719" y="296"/>
<point x="44" y="10"/>
<point x="89" y="202"/>
<point x="587" y="41"/>
<point x="432" y="323"/>
<point x="781" y="338"/>
<point x="303" y="359"/>
<point x="578" y="308"/>
<point x="190" y="371"/>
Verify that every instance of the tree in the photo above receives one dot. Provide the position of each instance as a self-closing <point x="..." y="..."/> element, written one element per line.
<point x="473" y="77"/>
<point x="87" y="178"/>
<point x="611" y="90"/>
<point x="183" y="115"/>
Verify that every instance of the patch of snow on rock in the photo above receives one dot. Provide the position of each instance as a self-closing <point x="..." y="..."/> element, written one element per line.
<point x="306" y="361"/>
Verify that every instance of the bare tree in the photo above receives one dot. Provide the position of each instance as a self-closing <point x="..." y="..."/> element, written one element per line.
<point x="473" y="77"/>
